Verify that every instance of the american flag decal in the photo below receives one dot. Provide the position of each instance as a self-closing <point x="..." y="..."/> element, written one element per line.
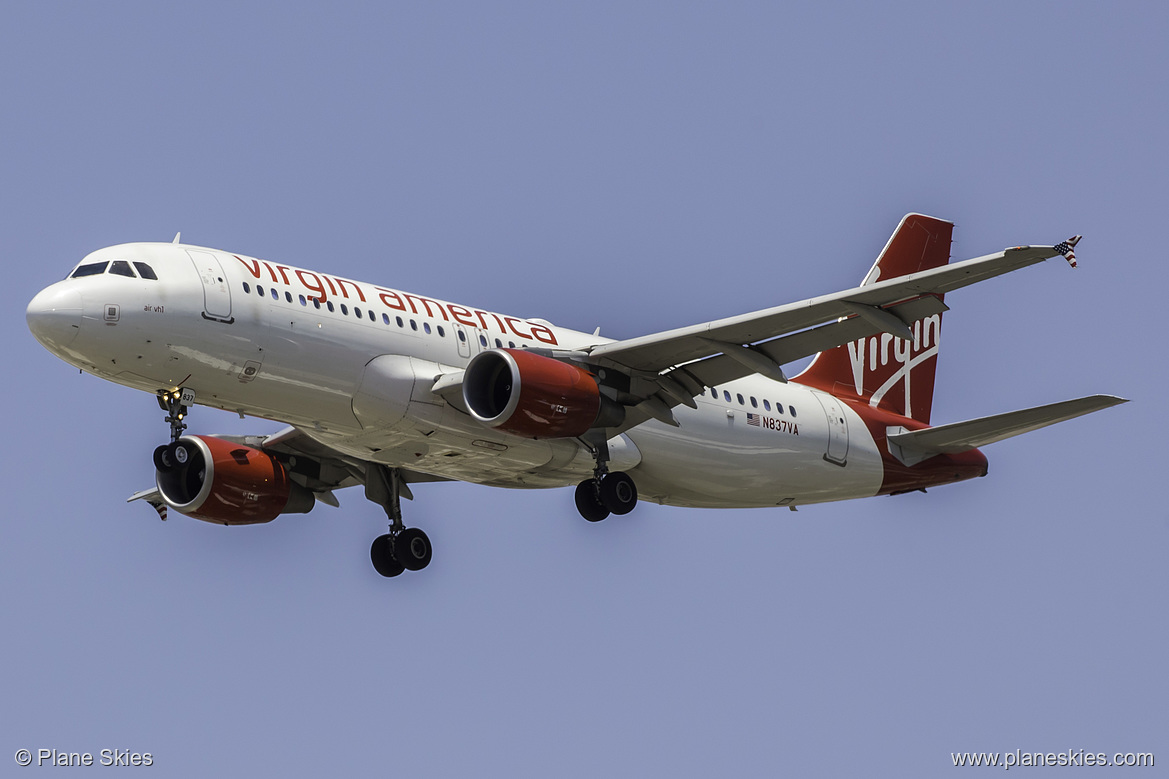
<point x="753" y="420"/>
<point x="1066" y="249"/>
<point x="160" y="507"/>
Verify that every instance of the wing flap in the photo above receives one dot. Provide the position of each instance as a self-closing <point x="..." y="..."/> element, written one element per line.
<point x="911" y="447"/>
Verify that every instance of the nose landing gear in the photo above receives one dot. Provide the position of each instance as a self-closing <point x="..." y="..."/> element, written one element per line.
<point x="174" y="455"/>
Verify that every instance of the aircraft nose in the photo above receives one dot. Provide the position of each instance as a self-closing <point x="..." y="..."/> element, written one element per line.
<point x="54" y="316"/>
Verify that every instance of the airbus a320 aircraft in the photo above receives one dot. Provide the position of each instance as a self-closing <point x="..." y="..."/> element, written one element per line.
<point x="384" y="388"/>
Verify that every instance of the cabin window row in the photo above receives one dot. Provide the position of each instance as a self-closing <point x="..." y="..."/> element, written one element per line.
<point x="751" y="399"/>
<point x="359" y="313"/>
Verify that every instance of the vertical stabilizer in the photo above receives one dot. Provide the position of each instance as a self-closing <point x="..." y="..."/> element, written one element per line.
<point x="882" y="370"/>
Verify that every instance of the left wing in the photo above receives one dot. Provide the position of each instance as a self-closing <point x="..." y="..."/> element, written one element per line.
<point x="310" y="463"/>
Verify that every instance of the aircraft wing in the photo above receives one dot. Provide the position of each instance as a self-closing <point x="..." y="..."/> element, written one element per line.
<point x="672" y="367"/>
<point x="870" y="303"/>
<point x="311" y="463"/>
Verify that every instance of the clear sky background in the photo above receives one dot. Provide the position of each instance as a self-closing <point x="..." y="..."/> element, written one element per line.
<point x="639" y="167"/>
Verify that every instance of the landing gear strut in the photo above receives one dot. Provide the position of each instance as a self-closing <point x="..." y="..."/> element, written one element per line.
<point x="606" y="493"/>
<point x="403" y="548"/>
<point x="173" y="455"/>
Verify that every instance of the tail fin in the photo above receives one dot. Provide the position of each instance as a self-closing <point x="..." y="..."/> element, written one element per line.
<point x="884" y="371"/>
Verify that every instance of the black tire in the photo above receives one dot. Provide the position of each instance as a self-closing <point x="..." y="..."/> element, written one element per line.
<point x="618" y="493"/>
<point x="412" y="548"/>
<point x="587" y="503"/>
<point x="381" y="553"/>
<point x="182" y="453"/>
<point x="164" y="462"/>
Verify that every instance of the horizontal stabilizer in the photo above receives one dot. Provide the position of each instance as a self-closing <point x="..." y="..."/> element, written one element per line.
<point x="911" y="447"/>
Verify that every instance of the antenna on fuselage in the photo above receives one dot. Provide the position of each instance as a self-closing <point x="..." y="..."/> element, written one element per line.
<point x="177" y="236"/>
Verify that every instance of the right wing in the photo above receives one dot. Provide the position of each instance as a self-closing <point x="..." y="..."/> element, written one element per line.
<point x="672" y="367"/>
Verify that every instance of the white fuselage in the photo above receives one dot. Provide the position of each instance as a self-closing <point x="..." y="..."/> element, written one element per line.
<point x="247" y="336"/>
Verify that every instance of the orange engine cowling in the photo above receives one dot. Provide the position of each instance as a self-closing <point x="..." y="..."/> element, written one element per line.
<point x="231" y="484"/>
<point x="533" y="396"/>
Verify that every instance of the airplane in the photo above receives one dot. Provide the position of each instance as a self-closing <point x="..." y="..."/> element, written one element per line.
<point x="383" y="389"/>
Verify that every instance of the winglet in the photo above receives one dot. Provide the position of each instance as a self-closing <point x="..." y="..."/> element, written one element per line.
<point x="154" y="498"/>
<point x="1066" y="249"/>
<point x="178" y="235"/>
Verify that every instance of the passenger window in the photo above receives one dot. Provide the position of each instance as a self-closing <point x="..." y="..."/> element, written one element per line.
<point x="510" y="344"/>
<point x="740" y="398"/>
<point x="372" y="318"/>
<point x="317" y="303"/>
<point x="385" y="319"/>
<point x="247" y="288"/>
<point x="147" y="272"/>
<point x="413" y="325"/>
<point x="329" y="305"/>
<point x="727" y="396"/>
<point x="303" y="302"/>
<point x="462" y="336"/>
<point x="714" y="393"/>
<point x="93" y="269"/>
<point x="766" y="404"/>
<point x="791" y="410"/>
<point x="121" y="268"/>
<point x="778" y="408"/>
<point x="754" y="403"/>
<point x="357" y="312"/>
<point x="498" y="344"/>
<point x="275" y="294"/>
<point x="398" y="319"/>
<point x="345" y="309"/>
<point x="426" y="327"/>
<point x="287" y="297"/>
<point x="482" y="340"/>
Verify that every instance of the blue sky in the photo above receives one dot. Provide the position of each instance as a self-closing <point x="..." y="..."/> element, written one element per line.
<point x="636" y="168"/>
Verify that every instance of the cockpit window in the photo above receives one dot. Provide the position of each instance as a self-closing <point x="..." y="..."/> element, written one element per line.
<point x="121" y="268"/>
<point x="145" y="271"/>
<point x="92" y="269"/>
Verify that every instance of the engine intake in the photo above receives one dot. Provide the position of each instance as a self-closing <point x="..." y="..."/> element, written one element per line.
<point x="533" y="396"/>
<point x="219" y="481"/>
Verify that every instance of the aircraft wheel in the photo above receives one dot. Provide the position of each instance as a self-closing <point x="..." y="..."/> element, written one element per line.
<point x="618" y="493"/>
<point x="164" y="460"/>
<point x="587" y="502"/>
<point x="412" y="548"/>
<point x="182" y="453"/>
<point x="381" y="553"/>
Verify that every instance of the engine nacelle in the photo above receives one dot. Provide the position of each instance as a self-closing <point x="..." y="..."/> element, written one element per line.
<point x="533" y="396"/>
<point x="227" y="483"/>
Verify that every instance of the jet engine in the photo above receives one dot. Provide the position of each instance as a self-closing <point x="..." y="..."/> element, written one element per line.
<point x="533" y="396"/>
<point x="219" y="481"/>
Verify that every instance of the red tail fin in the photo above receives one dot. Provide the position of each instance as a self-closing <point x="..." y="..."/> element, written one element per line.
<point x="884" y="371"/>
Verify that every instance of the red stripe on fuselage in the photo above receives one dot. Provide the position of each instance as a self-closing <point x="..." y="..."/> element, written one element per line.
<point x="899" y="477"/>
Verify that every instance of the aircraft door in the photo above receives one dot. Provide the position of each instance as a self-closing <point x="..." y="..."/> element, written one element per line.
<point x="216" y="293"/>
<point x="837" y="451"/>
<point x="463" y="336"/>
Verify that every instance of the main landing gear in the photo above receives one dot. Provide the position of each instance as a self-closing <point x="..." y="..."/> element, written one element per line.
<point x="606" y="493"/>
<point x="403" y="548"/>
